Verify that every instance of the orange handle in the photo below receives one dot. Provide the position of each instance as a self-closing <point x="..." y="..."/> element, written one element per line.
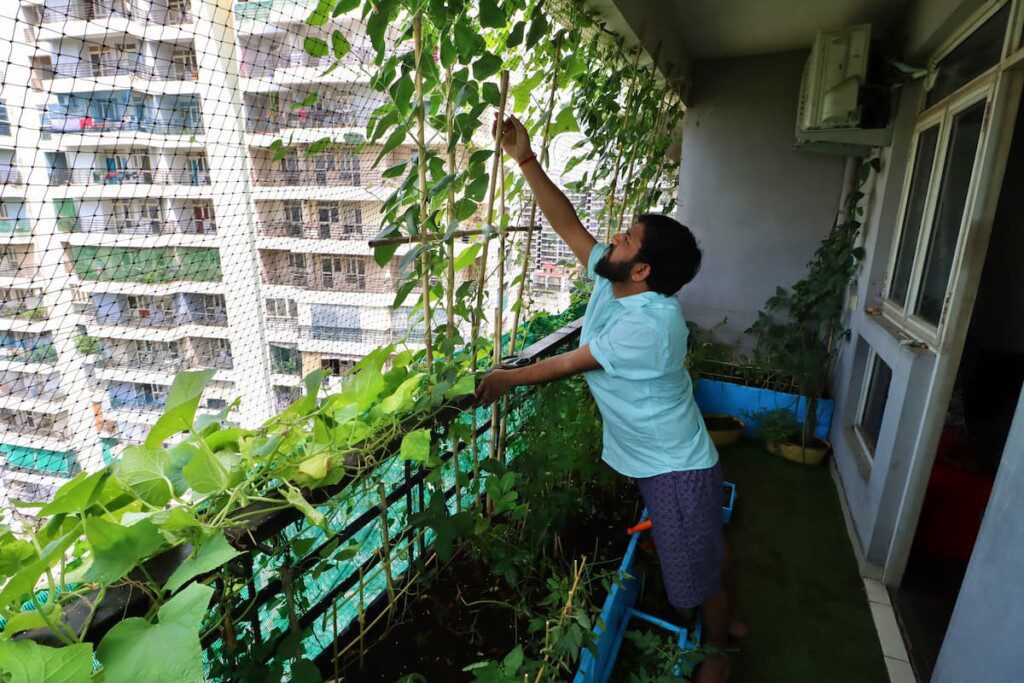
<point x="642" y="526"/>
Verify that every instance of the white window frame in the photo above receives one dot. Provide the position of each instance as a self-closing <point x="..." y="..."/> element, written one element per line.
<point x="942" y="114"/>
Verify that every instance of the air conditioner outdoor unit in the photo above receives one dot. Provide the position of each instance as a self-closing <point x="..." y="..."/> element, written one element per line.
<point x="843" y="108"/>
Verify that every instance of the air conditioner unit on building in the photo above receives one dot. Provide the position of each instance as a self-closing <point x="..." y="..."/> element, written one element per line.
<point x="843" y="107"/>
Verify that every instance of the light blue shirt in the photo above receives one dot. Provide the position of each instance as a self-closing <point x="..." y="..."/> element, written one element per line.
<point x="652" y="424"/>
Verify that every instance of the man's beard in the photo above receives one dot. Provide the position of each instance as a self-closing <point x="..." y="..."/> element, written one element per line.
<point x="612" y="270"/>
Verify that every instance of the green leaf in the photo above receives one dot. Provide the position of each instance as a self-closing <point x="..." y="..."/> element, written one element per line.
<point x="316" y="47"/>
<point x="145" y="471"/>
<point x="213" y="553"/>
<point x="76" y="495"/>
<point x="180" y="408"/>
<point x="29" y="662"/>
<point x="394" y="171"/>
<point x="340" y="44"/>
<point x="296" y="500"/>
<point x="465" y="40"/>
<point x="212" y="472"/>
<point x="486" y="66"/>
<point x="402" y="398"/>
<point x="491" y="16"/>
<point x="465" y="385"/>
<point x="515" y="36"/>
<point x="320" y="14"/>
<point x="491" y="94"/>
<point x="466" y="256"/>
<point x="305" y="671"/>
<point x="565" y="122"/>
<point x="117" y="549"/>
<point x="448" y="52"/>
<point x="513" y="660"/>
<point x="30" y="619"/>
<point x="416" y="446"/>
<point x="402" y="91"/>
<point x="440" y="186"/>
<point x="538" y="29"/>
<point x="128" y="651"/>
<point x="344" y="6"/>
<point x="384" y="253"/>
<point x="27" y="577"/>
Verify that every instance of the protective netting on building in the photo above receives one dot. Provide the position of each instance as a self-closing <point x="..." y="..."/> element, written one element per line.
<point x="189" y="185"/>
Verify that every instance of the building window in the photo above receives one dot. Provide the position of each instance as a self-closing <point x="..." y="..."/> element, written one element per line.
<point x="872" y="409"/>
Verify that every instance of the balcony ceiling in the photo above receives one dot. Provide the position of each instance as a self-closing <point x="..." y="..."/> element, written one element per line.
<point x="693" y="30"/>
<point x="714" y="29"/>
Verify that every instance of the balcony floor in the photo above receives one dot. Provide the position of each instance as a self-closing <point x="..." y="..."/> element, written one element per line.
<point x="800" y="591"/>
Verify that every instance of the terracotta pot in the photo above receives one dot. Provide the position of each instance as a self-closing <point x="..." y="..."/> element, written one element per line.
<point x="813" y="454"/>
<point x="725" y="430"/>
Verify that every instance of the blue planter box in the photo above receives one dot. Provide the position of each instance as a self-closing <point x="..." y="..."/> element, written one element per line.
<point x="619" y="609"/>
<point x="714" y="396"/>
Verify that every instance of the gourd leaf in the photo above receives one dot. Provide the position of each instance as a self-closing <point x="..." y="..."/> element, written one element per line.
<point x="146" y="472"/>
<point x="180" y="408"/>
<point x="340" y="44"/>
<point x="27" y="660"/>
<point x="320" y="14"/>
<point x="30" y="619"/>
<point x="466" y="256"/>
<point x="491" y="16"/>
<point x="315" y="47"/>
<point x="486" y="65"/>
<point x="127" y="651"/>
<point x="209" y="472"/>
<point x="344" y="6"/>
<point x="116" y="549"/>
<point x="416" y="446"/>
<point x="27" y="577"/>
<point x="213" y="553"/>
<point x="76" y="495"/>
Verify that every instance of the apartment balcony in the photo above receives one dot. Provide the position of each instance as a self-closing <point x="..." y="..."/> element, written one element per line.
<point x="16" y="423"/>
<point x="139" y="226"/>
<point x="30" y="390"/>
<point x="39" y="353"/>
<point x="22" y="309"/>
<point x="306" y="177"/>
<point x="102" y="177"/>
<point x="317" y="231"/>
<point x="356" y="335"/>
<point x="161" y="362"/>
<point x="161" y="319"/>
<point x="171" y="17"/>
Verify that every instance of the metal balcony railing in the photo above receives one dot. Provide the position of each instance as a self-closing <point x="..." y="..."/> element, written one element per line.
<point x="294" y="277"/>
<point x="129" y="176"/>
<point x="162" y="318"/>
<point x="89" y="11"/>
<point x="161" y="362"/>
<point x="43" y="352"/>
<point x="112" y="68"/>
<point x="306" y="118"/>
<point x="346" y="334"/>
<point x="333" y="231"/>
<point x="89" y="125"/>
<point x="25" y="388"/>
<point x="143" y="226"/>
<point x="15" y="226"/>
<point x="314" y="177"/>
<point x="21" y="308"/>
<point x="51" y="430"/>
<point x="171" y="17"/>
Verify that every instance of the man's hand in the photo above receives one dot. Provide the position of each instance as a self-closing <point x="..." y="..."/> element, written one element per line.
<point x="493" y="386"/>
<point x="515" y="140"/>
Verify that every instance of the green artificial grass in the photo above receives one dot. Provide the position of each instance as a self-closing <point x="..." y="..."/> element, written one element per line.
<point x="799" y="588"/>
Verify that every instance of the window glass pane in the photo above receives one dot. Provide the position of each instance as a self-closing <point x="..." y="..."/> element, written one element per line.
<point x="926" y="143"/>
<point x="874" y="404"/>
<point x="972" y="57"/>
<point x="949" y="211"/>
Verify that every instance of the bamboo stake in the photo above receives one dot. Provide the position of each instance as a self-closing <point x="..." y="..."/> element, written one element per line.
<point x="618" y="153"/>
<point x="421" y="147"/>
<point x="482" y="274"/>
<point x="532" y="224"/>
<point x="450" y="294"/>
<point x="362" y="618"/>
<point x="635" y="151"/>
<point x="577" y="568"/>
<point x="334" y="642"/>
<point x="385" y="542"/>
<point x="499" y="309"/>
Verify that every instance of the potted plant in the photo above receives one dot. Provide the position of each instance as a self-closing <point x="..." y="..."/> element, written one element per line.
<point x="703" y="348"/>
<point x="798" y="330"/>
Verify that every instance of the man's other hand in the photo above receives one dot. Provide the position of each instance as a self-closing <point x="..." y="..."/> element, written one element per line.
<point x="493" y="386"/>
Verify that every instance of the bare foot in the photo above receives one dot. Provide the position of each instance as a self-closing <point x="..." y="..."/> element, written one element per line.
<point x="737" y="629"/>
<point x="714" y="669"/>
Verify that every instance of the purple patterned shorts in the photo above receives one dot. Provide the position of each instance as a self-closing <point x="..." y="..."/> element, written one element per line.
<point x="686" y="511"/>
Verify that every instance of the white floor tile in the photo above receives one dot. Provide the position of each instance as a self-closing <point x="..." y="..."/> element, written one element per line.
<point x="899" y="671"/>
<point x="876" y="591"/>
<point x="888" y="631"/>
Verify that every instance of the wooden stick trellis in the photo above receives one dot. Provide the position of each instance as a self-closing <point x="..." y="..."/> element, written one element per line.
<point x="498" y="408"/>
<point x="618" y="153"/>
<point x="532" y="223"/>
<point x="449" y="307"/>
<point x="482" y="273"/>
<point x="635" y="152"/>
<point x="421" y="164"/>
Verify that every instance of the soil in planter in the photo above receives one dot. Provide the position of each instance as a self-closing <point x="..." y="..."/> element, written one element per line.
<point x="721" y="423"/>
<point x="464" y="614"/>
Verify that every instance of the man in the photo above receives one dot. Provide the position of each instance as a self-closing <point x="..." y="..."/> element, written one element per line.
<point x="632" y="352"/>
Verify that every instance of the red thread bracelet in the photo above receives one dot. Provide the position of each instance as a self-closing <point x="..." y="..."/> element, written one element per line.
<point x="532" y="157"/>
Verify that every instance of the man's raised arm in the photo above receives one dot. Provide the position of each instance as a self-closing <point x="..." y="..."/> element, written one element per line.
<point x="553" y="203"/>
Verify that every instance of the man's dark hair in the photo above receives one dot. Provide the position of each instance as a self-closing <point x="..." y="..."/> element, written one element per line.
<point x="671" y="251"/>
